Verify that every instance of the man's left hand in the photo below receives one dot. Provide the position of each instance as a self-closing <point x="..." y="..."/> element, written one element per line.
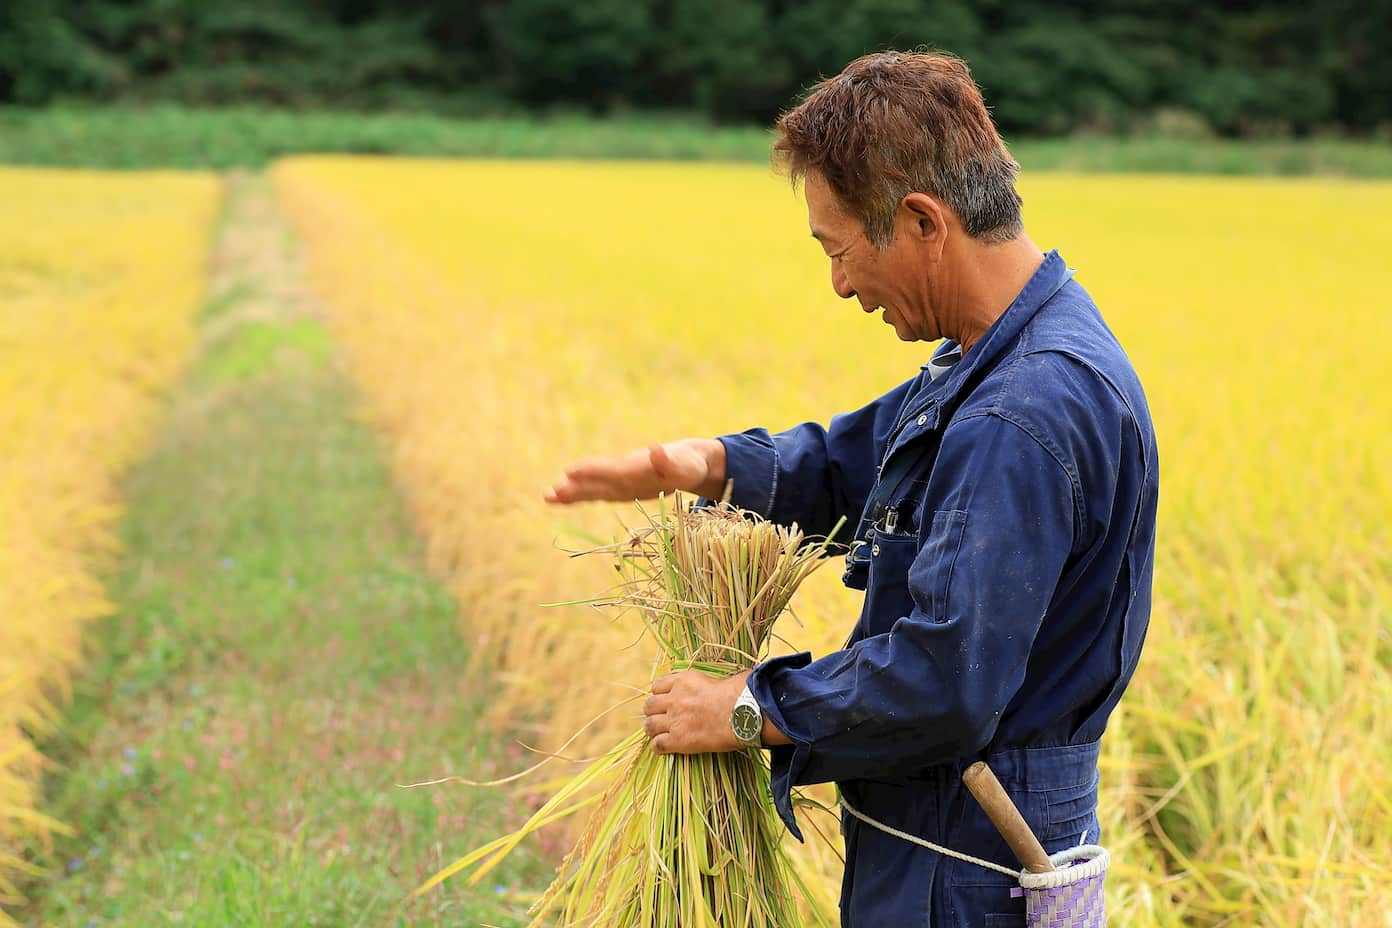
<point x="689" y="713"/>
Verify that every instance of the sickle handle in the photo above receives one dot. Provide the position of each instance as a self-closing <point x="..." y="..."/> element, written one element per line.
<point x="1007" y="819"/>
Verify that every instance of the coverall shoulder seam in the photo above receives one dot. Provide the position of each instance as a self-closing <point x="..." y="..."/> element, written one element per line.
<point x="1070" y="474"/>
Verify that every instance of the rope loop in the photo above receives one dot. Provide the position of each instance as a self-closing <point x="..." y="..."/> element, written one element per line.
<point x="914" y="839"/>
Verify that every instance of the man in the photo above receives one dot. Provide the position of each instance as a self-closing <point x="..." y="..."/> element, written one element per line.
<point x="1003" y="501"/>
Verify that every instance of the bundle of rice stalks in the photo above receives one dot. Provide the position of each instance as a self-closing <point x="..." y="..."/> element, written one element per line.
<point x="689" y="841"/>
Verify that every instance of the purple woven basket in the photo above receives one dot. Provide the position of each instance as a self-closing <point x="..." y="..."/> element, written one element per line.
<point x="1070" y="895"/>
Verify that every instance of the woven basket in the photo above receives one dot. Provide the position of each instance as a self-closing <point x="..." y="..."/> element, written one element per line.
<point x="1070" y="895"/>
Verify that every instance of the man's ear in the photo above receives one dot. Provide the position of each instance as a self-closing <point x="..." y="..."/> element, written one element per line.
<point x="928" y="220"/>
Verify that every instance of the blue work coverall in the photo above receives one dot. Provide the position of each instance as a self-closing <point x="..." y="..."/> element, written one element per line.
<point x="1003" y="529"/>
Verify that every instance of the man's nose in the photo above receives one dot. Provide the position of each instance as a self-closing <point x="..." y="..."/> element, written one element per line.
<point x="840" y="284"/>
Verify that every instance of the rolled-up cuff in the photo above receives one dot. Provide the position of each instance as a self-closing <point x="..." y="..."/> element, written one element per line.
<point x="751" y="461"/>
<point x="786" y="761"/>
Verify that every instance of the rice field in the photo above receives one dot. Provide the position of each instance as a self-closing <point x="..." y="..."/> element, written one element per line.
<point x="101" y="276"/>
<point x="501" y="319"/>
<point x="504" y="318"/>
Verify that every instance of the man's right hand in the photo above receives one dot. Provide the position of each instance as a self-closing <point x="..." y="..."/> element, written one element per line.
<point x="695" y="465"/>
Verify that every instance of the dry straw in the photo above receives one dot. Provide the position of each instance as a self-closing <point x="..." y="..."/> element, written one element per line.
<point x="101" y="277"/>
<point x="1244" y="779"/>
<point x="674" y="840"/>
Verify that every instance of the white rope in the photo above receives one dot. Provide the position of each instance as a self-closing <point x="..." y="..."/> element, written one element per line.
<point x="912" y="839"/>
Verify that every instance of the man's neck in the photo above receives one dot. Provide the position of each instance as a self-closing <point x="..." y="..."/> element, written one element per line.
<point x="992" y="277"/>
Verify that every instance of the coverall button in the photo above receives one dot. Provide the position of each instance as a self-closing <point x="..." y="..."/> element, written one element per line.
<point x="922" y="419"/>
<point x="875" y="550"/>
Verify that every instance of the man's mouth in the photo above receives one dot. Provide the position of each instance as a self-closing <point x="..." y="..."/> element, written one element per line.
<point x="883" y="310"/>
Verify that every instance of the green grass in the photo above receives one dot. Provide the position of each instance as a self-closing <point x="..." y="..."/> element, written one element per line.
<point x="255" y="346"/>
<point x="1279" y="157"/>
<point x="168" y="136"/>
<point x="280" y="661"/>
<point x="178" y="137"/>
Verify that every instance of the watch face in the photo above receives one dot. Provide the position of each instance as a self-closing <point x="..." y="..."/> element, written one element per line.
<point x="746" y="722"/>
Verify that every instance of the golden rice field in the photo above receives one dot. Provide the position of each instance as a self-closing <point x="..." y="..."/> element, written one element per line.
<point x="101" y="275"/>
<point x="502" y="319"/>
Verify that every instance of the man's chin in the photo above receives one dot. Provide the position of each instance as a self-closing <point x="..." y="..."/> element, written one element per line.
<point x="903" y="333"/>
<point x="897" y="325"/>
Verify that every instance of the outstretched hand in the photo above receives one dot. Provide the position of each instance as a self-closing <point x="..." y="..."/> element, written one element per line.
<point x="695" y="465"/>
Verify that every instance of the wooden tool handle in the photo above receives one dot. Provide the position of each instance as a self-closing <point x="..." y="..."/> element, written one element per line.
<point x="1007" y="819"/>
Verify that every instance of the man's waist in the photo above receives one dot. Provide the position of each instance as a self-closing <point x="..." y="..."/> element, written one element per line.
<point x="1054" y="787"/>
<point x="1029" y="767"/>
<point x="1039" y="767"/>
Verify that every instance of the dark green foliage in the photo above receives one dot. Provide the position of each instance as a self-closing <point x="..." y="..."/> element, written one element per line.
<point x="1239" y="68"/>
<point x="43" y="55"/>
<point x="720" y="58"/>
<point x="559" y="50"/>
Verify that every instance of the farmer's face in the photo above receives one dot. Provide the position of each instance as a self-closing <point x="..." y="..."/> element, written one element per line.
<point x="894" y="280"/>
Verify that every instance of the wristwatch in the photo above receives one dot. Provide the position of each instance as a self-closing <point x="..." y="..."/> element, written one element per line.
<point x="747" y="719"/>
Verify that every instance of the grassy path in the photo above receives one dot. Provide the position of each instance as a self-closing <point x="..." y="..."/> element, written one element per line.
<point x="280" y="660"/>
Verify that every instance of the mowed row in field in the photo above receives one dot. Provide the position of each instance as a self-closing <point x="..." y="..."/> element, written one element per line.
<point x="101" y="277"/>
<point x="503" y="319"/>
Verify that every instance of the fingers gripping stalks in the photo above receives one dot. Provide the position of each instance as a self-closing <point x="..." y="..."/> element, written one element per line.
<point x="681" y="839"/>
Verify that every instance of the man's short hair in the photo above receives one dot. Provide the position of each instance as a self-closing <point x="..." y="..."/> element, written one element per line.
<point x="895" y="123"/>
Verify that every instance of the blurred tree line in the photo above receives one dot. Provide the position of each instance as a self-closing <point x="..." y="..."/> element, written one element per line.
<point x="1236" y="67"/>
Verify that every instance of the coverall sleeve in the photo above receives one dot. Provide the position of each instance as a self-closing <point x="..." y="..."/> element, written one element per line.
<point x="1001" y="507"/>
<point x="809" y="474"/>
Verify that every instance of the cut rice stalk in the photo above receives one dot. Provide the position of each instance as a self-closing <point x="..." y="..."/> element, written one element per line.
<point x="679" y="841"/>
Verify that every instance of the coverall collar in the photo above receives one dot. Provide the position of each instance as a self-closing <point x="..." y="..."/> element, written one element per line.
<point x="1050" y="276"/>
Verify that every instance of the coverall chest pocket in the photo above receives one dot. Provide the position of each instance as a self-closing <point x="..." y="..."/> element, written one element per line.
<point x="933" y="573"/>
<point x="887" y="597"/>
<point x="902" y="561"/>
